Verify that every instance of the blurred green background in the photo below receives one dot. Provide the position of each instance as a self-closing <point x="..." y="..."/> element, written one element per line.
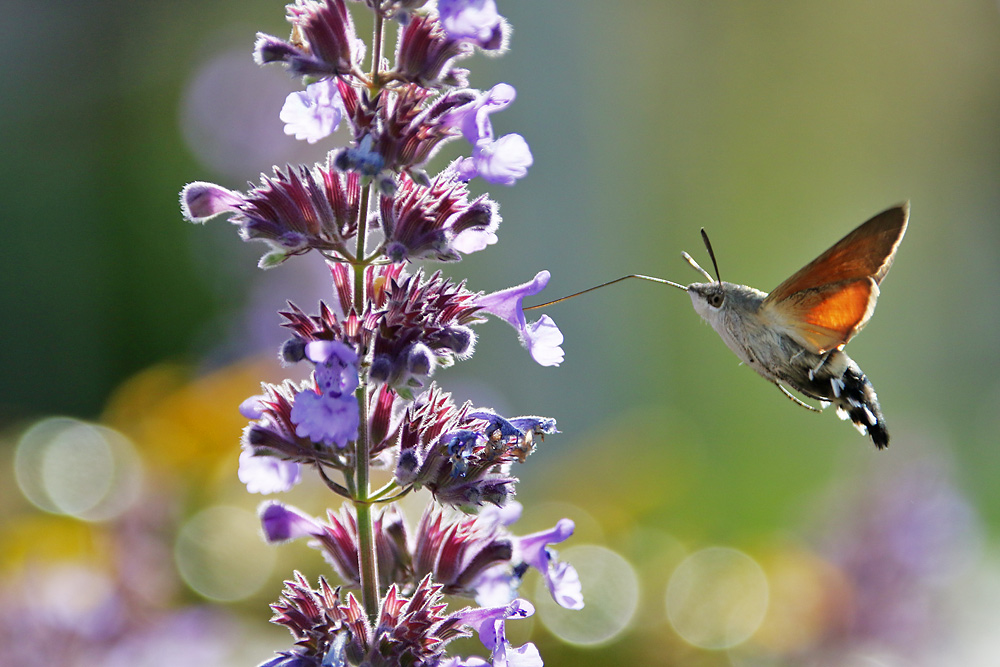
<point x="777" y="126"/>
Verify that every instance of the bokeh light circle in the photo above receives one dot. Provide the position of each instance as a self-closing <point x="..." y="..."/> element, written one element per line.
<point x="717" y="598"/>
<point x="610" y="593"/>
<point x="66" y="466"/>
<point x="220" y="554"/>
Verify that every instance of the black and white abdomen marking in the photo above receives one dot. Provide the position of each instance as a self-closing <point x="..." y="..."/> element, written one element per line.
<point x="837" y="379"/>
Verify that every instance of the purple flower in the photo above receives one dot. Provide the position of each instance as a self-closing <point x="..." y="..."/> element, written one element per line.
<point x="267" y="474"/>
<point x="336" y="366"/>
<point x="561" y="578"/>
<point x="542" y="338"/>
<point x="329" y="414"/>
<point x="253" y="407"/>
<point x="314" y="113"/>
<point x="501" y="162"/>
<point x="418" y="314"/>
<point x="475" y="21"/>
<point x="490" y="622"/>
<point x="473" y="661"/>
<point x="437" y="221"/>
<point x="505" y="655"/>
<point x="201" y="201"/>
<point x="293" y="211"/>
<point x="425" y="53"/>
<point x="282" y="523"/>
<point x="332" y="630"/>
<point x="501" y="516"/>
<point x="325" y="418"/>
<point x="330" y="45"/>
<point x="463" y="456"/>
<point x="456" y="551"/>
<point x="498" y="584"/>
<point x="473" y="118"/>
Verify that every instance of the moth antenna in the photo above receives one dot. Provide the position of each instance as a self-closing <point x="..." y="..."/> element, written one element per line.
<point x="711" y="253"/>
<point x="697" y="267"/>
<point x="610" y="282"/>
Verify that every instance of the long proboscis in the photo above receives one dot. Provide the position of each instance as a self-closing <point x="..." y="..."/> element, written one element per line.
<point x="610" y="282"/>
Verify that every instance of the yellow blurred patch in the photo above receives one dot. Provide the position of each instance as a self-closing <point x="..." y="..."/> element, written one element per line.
<point x="810" y="600"/>
<point x="45" y="538"/>
<point x="186" y="424"/>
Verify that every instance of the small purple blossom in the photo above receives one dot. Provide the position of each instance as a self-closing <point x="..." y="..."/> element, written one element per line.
<point x="329" y="414"/>
<point x="520" y="428"/>
<point x="426" y="53"/>
<point x="472" y="661"/>
<point x="437" y="221"/>
<point x="457" y="550"/>
<point x="293" y="211"/>
<point x="201" y="201"/>
<point x="473" y="118"/>
<point x="501" y="162"/>
<point x="281" y="523"/>
<point x="561" y="578"/>
<point x="505" y="655"/>
<point x="542" y="338"/>
<point x="267" y="474"/>
<point x="463" y="456"/>
<point x="326" y="418"/>
<point x="331" y="630"/>
<point x="327" y="43"/>
<point x="490" y="625"/>
<point x="498" y="584"/>
<point x="475" y="21"/>
<point x="253" y="407"/>
<point x="314" y="113"/>
<point x="336" y="366"/>
<point x="421" y="313"/>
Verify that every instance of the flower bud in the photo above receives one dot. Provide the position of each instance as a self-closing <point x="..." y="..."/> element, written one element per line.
<point x="381" y="368"/>
<point x="458" y="339"/>
<point x="293" y="350"/>
<point x="420" y="360"/>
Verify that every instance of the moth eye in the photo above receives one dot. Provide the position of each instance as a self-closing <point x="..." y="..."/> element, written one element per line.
<point x="715" y="300"/>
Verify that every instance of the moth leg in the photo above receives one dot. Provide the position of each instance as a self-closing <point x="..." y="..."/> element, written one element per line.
<point x="822" y="360"/>
<point x="796" y="400"/>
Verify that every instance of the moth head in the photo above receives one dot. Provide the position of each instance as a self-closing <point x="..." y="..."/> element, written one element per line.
<point x="708" y="299"/>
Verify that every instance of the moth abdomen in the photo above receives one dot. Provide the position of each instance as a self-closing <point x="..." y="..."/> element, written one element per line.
<point x="840" y="381"/>
<point x="859" y="403"/>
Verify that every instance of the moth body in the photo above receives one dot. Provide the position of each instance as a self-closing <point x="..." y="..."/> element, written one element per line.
<point x="736" y="313"/>
<point x="795" y="335"/>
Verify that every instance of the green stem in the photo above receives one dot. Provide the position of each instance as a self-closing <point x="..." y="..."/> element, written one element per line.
<point x="388" y="488"/>
<point x="377" y="50"/>
<point x="367" y="555"/>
